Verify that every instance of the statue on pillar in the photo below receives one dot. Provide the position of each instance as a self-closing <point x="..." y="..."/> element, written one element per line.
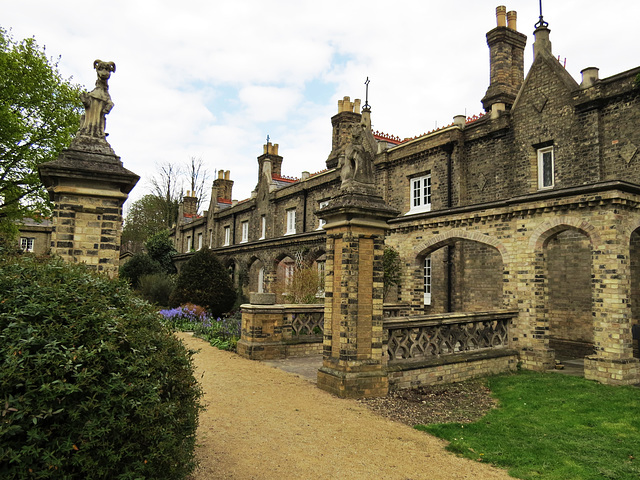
<point x="97" y="103"/>
<point x="357" y="171"/>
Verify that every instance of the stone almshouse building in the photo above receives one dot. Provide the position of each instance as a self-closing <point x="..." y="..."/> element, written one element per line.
<point x="531" y="210"/>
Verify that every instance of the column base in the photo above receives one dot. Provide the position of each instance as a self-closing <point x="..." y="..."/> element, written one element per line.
<point x="261" y="350"/>
<point x="624" y="371"/>
<point x="538" y="360"/>
<point x="353" y="384"/>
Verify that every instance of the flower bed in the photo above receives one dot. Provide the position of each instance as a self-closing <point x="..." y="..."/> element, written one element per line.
<point x="221" y="332"/>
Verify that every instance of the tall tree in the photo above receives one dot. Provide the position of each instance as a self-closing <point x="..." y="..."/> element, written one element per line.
<point x="146" y="217"/>
<point x="198" y="177"/>
<point x="166" y="185"/>
<point x="39" y="113"/>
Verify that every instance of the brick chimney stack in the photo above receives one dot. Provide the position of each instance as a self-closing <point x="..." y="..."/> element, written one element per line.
<point x="190" y="204"/>
<point x="222" y="186"/>
<point x="506" y="50"/>
<point x="270" y="154"/>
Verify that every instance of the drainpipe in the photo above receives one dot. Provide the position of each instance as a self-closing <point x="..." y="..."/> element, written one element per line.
<point x="233" y="233"/>
<point x="304" y="211"/>
<point x="449" y="279"/>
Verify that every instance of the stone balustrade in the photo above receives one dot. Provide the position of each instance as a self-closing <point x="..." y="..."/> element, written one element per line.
<point x="423" y="337"/>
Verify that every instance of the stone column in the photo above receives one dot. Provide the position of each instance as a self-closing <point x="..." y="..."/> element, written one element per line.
<point x="352" y="351"/>
<point x="613" y="362"/>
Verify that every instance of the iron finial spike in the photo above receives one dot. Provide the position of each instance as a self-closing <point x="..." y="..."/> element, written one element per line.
<point x="366" y="98"/>
<point x="541" y="22"/>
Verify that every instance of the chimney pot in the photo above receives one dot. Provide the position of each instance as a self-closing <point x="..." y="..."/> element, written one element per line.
<point x="589" y="77"/>
<point x="501" y="12"/>
<point x="226" y="174"/>
<point x="512" y="17"/>
<point x="460" y="120"/>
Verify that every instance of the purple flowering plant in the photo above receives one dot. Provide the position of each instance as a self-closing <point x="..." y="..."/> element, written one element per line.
<point x="221" y="332"/>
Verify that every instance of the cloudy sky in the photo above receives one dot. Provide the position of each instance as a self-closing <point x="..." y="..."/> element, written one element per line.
<point x="211" y="78"/>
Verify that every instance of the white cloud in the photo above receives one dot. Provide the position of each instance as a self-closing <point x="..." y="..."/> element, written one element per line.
<point x="212" y="79"/>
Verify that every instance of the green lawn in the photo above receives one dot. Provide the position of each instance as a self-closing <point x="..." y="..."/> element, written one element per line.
<point x="552" y="426"/>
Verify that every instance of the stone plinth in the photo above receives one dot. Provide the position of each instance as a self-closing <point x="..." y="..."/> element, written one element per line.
<point x="353" y="334"/>
<point x="262" y="332"/>
<point x="612" y="371"/>
<point x="88" y="189"/>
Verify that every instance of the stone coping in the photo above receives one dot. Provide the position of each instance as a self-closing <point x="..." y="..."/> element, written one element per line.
<point x="447" y="318"/>
<point x="465" y="357"/>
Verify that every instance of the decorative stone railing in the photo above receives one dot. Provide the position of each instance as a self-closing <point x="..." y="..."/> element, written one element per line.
<point x="432" y="336"/>
<point x="303" y="320"/>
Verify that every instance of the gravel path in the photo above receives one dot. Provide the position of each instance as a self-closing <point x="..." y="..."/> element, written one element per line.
<point x="264" y="423"/>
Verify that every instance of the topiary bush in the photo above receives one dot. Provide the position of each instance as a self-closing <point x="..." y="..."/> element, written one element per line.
<point x="92" y="385"/>
<point x="203" y="280"/>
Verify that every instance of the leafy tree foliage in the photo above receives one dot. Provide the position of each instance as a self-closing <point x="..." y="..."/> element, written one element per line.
<point x="39" y="113"/>
<point x="92" y="386"/>
<point x="146" y="217"/>
<point x="204" y="281"/>
<point x="390" y="268"/>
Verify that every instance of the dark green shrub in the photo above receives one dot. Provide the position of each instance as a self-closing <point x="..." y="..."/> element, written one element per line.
<point x="156" y="288"/>
<point x="203" y="280"/>
<point x="139" y="265"/>
<point x="92" y="385"/>
<point x="160" y="248"/>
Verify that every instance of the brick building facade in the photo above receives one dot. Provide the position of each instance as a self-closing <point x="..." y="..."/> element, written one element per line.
<point x="531" y="207"/>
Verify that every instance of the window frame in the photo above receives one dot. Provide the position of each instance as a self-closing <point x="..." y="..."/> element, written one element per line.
<point x="245" y="231"/>
<point x="27" y="244"/>
<point x="263" y="227"/>
<point x="291" y="222"/>
<point x="321" y="221"/>
<point x="541" y="167"/>
<point x="227" y="236"/>
<point x="420" y="194"/>
<point x="427" y="279"/>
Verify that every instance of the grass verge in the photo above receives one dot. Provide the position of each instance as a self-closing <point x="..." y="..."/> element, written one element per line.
<point x="550" y="426"/>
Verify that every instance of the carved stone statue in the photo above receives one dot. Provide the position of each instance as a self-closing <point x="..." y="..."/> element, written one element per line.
<point x="97" y="103"/>
<point x="357" y="163"/>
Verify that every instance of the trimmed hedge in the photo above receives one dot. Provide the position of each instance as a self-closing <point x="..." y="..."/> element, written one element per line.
<point x="92" y="385"/>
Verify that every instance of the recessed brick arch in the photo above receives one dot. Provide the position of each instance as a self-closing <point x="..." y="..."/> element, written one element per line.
<point x="442" y="239"/>
<point x="548" y="229"/>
